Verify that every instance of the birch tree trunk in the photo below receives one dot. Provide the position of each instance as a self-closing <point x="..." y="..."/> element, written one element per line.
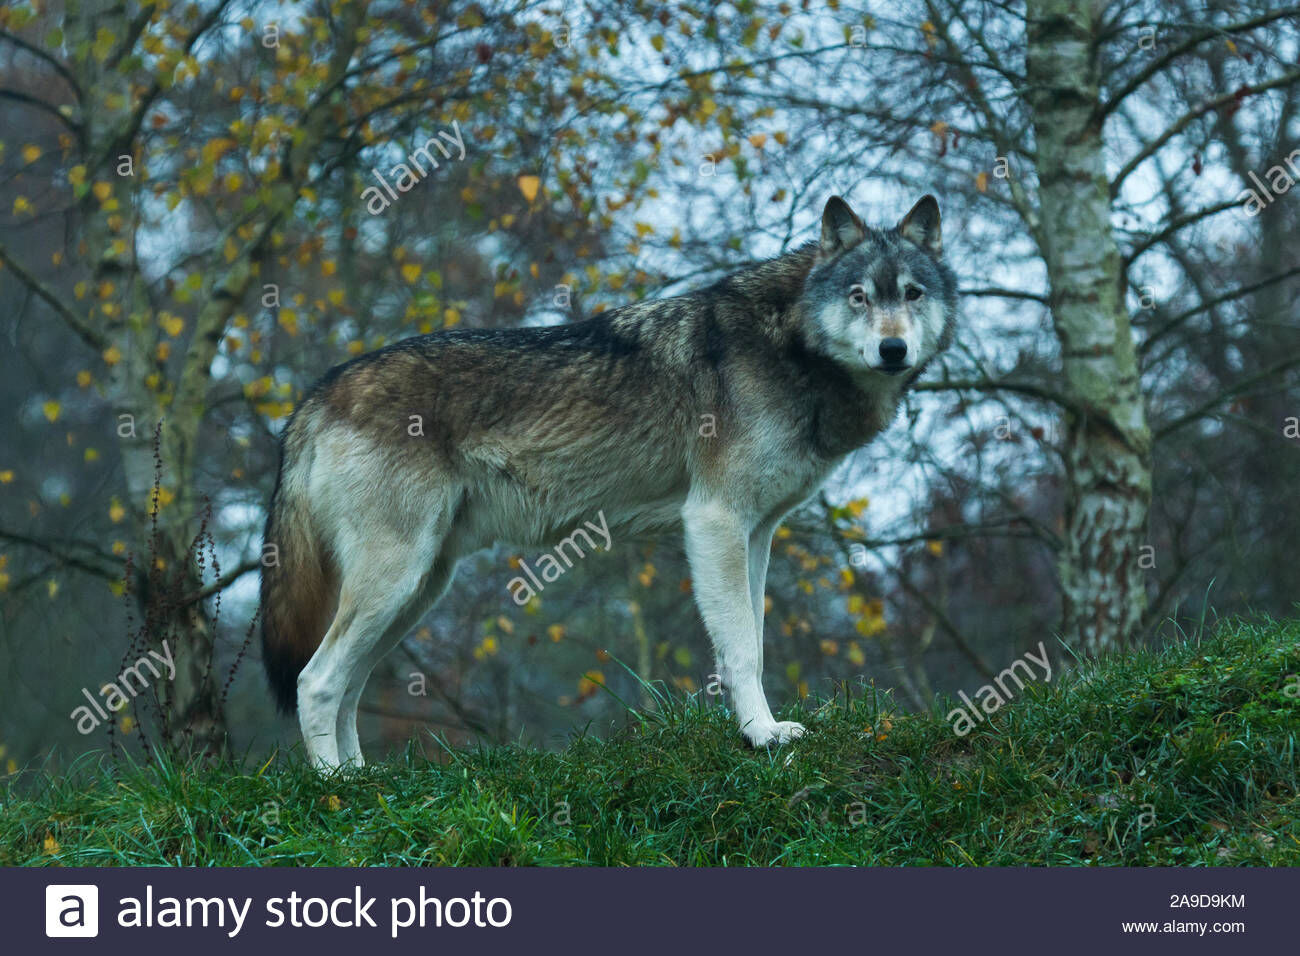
<point x="1107" y="442"/>
<point x="142" y="388"/>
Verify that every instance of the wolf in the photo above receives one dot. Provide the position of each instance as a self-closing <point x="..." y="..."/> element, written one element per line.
<point x="712" y="413"/>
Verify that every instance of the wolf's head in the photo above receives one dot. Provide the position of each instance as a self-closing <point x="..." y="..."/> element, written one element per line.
<point x="880" y="301"/>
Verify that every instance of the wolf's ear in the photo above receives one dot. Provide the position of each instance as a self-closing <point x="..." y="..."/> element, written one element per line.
<point x="841" y="228"/>
<point x="921" y="225"/>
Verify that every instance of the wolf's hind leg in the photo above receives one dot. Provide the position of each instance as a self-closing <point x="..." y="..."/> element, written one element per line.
<point x="435" y="585"/>
<point x="718" y="549"/>
<point x="319" y="696"/>
<point x="385" y="569"/>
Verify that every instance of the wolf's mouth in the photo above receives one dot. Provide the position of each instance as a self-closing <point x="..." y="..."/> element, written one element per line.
<point x="893" y="369"/>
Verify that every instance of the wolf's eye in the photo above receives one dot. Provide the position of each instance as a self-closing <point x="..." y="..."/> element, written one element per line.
<point x="913" y="293"/>
<point x="858" y="297"/>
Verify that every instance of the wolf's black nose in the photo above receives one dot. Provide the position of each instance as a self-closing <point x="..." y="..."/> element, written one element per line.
<point x="893" y="351"/>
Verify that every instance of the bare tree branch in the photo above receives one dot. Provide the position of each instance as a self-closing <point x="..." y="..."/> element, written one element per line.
<point x="1156" y="66"/>
<point x="46" y="58"/>
<point x="1153" y="147"/>
<point x="88" y="334"/>
<point x="994" y="292"/>
<point x="37" y="103"/>
<point x="990" y="385"/>
<point x="223" y="582"/>
<point x="67" y="557"/>
<point x="1205" y="306"/>
<point x="1187" y="219"/>
<point x="1200" y="411"/>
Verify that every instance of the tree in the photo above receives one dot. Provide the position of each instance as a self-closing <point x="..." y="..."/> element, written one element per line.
<point x="1107" y="443"/>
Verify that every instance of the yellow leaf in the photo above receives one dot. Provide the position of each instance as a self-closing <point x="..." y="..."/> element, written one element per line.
<point x="6" y="476"/>
<point x="934" y="547"/>
<point x="116" y="512"/>
<point x="52" y="410"/>
<point x="21" y="204"/>
<point x="334" y="803"/>
<point x="112" y="355"/>
<point x="51" y="845"/>
<point x="555" y="632"/>
<point x="450" y="317"/>
<point x="31" y="153"/>
<point x="410" y="272"/>
<point x="84" y="378"/>
<point x="52" y="588"/>
<point x="982" y="182"/>
<point x="173" y="325"/>
<point x="216" y="148"/>
<point x="91" y="454"/>
<point x="757" y="140"/>
<point x="102" y="190"/>
<point x="528" y="185"/>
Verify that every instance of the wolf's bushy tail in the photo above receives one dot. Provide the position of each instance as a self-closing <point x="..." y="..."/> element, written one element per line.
<point x="297" y="581"/>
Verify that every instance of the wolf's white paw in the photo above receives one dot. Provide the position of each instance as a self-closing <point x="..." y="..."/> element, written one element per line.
<point x="777" y="732"/>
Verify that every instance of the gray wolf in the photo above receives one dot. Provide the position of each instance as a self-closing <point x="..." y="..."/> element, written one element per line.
<point x="715" y="412"/>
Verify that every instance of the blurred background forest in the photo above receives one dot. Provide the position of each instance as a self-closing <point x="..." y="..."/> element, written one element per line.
<point x="187" y="237"/>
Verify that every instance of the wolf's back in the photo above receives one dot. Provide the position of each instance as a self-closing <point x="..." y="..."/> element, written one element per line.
<point x="298" y="582"/>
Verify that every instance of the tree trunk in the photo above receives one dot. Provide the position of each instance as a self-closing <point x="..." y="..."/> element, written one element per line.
<point x="1107" y="443"/>
<point x="143" y="388"/>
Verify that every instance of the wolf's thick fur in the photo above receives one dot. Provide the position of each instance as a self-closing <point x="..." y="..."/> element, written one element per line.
<point x="715" y="412"/>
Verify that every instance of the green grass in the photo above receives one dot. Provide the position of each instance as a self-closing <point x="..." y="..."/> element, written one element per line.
<point x="1185" y="756"/>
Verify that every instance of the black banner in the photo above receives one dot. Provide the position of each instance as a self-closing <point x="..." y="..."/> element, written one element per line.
<point x="644" y="911"/>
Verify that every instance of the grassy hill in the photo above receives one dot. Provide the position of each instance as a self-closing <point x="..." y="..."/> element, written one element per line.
<point x="1185" y="756"/>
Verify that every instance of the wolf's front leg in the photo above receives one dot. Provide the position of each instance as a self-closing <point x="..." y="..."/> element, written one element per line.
<point x="717" y="546"/>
